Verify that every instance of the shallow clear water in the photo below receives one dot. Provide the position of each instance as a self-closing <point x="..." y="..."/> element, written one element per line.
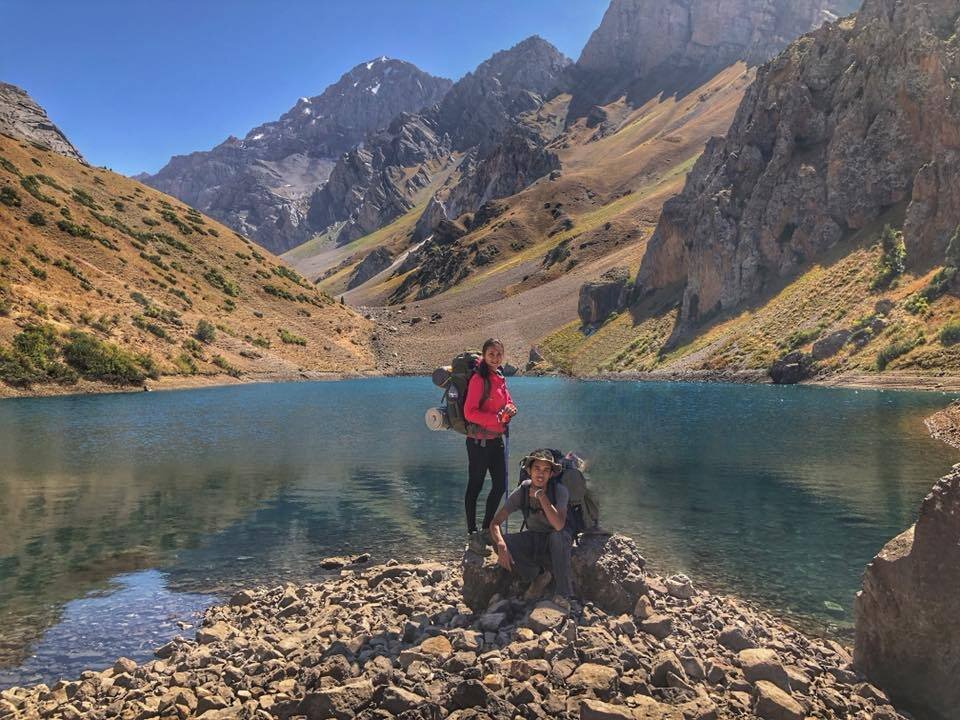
<point x="123" y="514"/>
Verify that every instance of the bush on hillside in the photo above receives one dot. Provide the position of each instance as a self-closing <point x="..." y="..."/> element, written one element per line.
<point x="205" y="332"/>
<point x="99" y="360"/>
<point x="950" y="333"/>
<point x="893" y="258"/>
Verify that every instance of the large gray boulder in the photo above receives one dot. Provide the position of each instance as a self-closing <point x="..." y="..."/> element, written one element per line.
<point x="907" y="629"/>
<point x="600" y="298"/>
<point x="607" y="570"/>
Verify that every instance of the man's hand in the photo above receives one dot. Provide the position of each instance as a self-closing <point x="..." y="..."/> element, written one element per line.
<point x="504" y="559"/>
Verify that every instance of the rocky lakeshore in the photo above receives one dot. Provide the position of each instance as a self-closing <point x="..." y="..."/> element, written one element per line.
<point x="431" y="640"/>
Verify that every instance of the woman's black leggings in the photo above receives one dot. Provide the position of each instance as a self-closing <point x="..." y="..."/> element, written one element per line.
<point x="485" y="455"/>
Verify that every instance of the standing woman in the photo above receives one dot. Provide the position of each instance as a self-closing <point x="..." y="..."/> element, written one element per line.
<point x="489" y="408"/>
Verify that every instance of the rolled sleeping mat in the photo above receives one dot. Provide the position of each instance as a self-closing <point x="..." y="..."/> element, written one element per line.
<point x="441" y="376"/>
<point x="436" y="419"/>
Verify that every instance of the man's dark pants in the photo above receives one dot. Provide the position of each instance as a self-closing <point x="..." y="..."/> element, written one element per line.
<point x="532" y="551"/>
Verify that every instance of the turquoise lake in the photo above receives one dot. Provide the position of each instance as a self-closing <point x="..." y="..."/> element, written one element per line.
<point x="123" y="516"/>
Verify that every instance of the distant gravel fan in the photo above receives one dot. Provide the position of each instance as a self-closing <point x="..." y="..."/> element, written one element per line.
<point x="22" y="117"/>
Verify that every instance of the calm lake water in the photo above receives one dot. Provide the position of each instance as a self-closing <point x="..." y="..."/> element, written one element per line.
<point x="123" y="516"/>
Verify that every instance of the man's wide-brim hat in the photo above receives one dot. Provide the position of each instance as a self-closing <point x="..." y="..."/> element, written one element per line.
<point x="544" y="455"/>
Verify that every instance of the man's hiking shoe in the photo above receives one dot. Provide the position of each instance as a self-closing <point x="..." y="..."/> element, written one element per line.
<point x="571" y="606"/>
<point x="476" y="545"/>
<point x="538" y="585"/>
<point x="487" y="540"/>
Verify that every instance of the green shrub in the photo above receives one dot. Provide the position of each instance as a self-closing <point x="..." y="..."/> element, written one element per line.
<point x="217" y="280"/>
<point x="150" y="222"/>
<point x="84" y="198"/>
<point x="894" y="350"/>
<point x="37" y="219"/>
<point x="172" y="218"/>
<point x="799" y="338"/>
<point x="893" y="257"/>
<point x="283" y="271"/>
<point x="99" y="360"/>
<point x="261" y="342"/>
<point x="119" y="206"/>
<point x="193" y="347"/>
<point x="33" y="358"/>
<point x="205" y="332"/>
<point x="141" y="322"/>
<point x="279" y="292"/>
<point x="288" y="338"/>
<point x="950" y="333"/>
<point x="9" y="166"/>
<point x="916" y="304"/>
<point x="222" y="363"/>
<point x="71" y="228"/>
<point x="9" y="197"/>
<point x="185" y="364"/>
<point x="31" y="184"/>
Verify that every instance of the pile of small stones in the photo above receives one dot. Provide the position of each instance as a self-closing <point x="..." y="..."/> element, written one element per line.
<point x="396" y="641"/>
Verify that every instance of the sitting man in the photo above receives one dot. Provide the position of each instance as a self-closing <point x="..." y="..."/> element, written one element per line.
<point x="547" y="541"/>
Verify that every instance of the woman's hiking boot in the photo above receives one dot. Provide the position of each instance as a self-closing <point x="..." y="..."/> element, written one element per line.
<point x="476" y="544"/>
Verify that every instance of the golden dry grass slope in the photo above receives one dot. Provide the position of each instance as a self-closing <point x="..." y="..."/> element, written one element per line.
<point x="902" y="334"/>
<point x="518" y="275"/>
<point x="104" y="283"/>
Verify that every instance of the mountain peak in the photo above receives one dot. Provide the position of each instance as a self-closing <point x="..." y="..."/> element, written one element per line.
<point x="21" y="116"/>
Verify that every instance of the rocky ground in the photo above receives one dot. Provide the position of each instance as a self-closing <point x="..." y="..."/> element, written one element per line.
<point x="399" y="640"/>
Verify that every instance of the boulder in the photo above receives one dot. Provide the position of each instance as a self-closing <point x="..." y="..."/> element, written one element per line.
<point x="340" y="702"/>
<point x="775" y="704"/>
<point x="598" y="299"/>
<point x="791" y="368"/>
<point x="596" y="710"/>
<point x="607" y="570"/>
<point x="830" y="345"/>
<point x="763" y="664"/>
<point x="907" y="636"/>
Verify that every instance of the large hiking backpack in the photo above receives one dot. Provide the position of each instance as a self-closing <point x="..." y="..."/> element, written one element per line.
<point x="583" y="508"/>
<point x="455" y="378"/>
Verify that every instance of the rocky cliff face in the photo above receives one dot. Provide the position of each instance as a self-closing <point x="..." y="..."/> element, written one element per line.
<point x="667" y="45"/>
<point x="907" y="637"/>
<point x="260" y="185"/>
<point x="21" y="117"/>
<point x="369" y="188"/>
<point x="850" y="121"/>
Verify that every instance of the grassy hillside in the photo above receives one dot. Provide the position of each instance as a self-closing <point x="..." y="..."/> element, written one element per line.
<point x="107" y="283"/>
<point x="907" y="323"/>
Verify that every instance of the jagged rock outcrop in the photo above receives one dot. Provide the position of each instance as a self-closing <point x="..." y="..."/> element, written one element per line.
<point x="849" y="121"/>
<point x="260" y="185"/>
<point x="907" y="635"/>
<point x="22" y="117"/>
<point x="369" y="186"/>
<point x="516" y="162"/>
<point x="647" y="46"/>
<point x="475" y="117"/>
<point x="374" y="263"/>
<point x="607" y="571"/>
<point x="600" y="298"/>
<point x="440" y="263"/>
<point x="511" y="82"/>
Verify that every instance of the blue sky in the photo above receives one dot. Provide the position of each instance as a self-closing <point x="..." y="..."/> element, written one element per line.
<point x="132" y="83"/>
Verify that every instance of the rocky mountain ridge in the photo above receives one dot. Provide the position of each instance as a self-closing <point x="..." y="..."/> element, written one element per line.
<point x="369" y="187"/>
<point x="827" y="140"/>
<point x="21" y="116"/>
<point x="259" y="185"/>
<point x="643" y="47"/>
